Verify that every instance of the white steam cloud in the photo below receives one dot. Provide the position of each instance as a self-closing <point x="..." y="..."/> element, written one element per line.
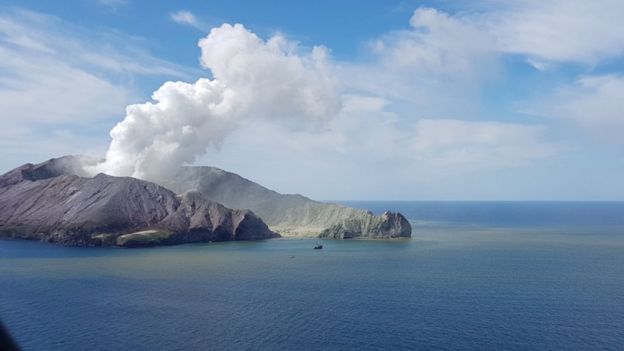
<point x="252" y="78"/>
<point x="299" y="104"/>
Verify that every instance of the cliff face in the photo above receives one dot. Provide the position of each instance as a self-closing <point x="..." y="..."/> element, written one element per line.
<point x="388" y="225"/>
<point x="291" y="215"/>
<point x="44" y="202"/>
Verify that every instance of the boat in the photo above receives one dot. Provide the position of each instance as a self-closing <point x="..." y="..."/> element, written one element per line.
<point x="318" y="246"/>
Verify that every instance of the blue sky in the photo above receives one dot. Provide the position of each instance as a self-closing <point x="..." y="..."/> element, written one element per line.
<point x="480" y="100"/>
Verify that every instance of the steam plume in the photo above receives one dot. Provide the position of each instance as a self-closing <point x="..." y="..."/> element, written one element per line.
<point x="251" y="78"/>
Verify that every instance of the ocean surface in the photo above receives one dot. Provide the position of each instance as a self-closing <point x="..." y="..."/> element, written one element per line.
<point x="475" y="276"/>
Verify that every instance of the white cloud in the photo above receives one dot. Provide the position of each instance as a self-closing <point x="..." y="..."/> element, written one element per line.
<point x="479" y="145"/>
<point x="436" y="68"/>
<point x="367" y="152"/>
<point x="57" y="78"/>
<point x="365" y="131"/>
<point x="43" y="90"/>
<point x="545" y="32"/>
<point x="156" y="137"/>
<point x="187" y="18"/>
<point x="555" y="32"/>
<point x="412" y="110"/>
<point x="252" y="79"/>
<point x="41" y="82"/>
<point x="291" y="99"/>
<point x="38" y="84"/>
<point x="273" y="77"/>
<point x="561" y="30"/>
<point x="300" y="107"/>
<point x="594" y="102"/>
<point x="436" y="43"/>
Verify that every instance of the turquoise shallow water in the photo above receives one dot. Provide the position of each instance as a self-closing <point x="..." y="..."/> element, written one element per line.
<point x="511" y="277"/>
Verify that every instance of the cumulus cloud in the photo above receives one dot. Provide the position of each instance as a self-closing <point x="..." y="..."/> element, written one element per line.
<point x="252" y="78"/>
<point x="184" y="120"/>
<point x="272" y="76"/>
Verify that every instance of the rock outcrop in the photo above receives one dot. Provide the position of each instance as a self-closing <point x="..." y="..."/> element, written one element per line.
<point x="388" y="225"/>
<point x="48" y="202"/>
<point x="290" y="215"/>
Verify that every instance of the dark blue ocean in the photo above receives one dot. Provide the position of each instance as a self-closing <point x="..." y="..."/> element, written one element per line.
<point x="475" y="276"/>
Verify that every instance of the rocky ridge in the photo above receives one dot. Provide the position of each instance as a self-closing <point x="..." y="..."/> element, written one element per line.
<point x="56" y="201"/>
<point x="47" y="202"/>
<point x="288" y="214"/>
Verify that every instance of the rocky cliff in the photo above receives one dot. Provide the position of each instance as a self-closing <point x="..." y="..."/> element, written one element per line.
<point x="48" y="202"/>
<point x="388" y="225"/>
<point x="290" y="215"/>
